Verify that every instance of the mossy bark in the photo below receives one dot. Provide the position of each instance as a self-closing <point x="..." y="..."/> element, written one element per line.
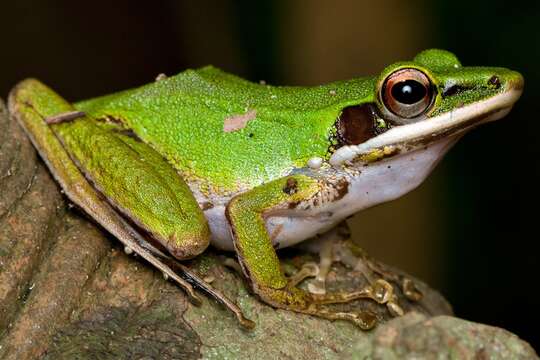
<point x="67" y="290"/>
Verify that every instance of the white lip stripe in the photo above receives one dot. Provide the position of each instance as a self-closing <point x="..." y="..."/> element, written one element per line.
<point x="409" y="132"/>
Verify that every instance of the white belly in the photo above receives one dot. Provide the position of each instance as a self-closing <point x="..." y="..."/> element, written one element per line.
<point x="379" y="182"/>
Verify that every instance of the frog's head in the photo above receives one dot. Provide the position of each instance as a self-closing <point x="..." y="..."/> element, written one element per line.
<point x="420" y="102"/>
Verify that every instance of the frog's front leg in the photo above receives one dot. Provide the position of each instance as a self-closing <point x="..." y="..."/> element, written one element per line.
<point x="246" y="213"/>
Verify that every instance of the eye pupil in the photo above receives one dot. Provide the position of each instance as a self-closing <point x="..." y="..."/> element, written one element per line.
<point x="408" y="92"/>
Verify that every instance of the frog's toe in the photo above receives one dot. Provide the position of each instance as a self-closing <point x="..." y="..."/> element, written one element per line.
<point x="410" y="290"/>
<point x="380" y="291"/>
<point x="298" y="300"/>
<point x="365" y="320"/>
<point x="317" y="286"/>
<point x="311" y="270"/>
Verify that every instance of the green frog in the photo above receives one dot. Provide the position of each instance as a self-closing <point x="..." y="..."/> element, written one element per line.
<point x="207" y="157"/>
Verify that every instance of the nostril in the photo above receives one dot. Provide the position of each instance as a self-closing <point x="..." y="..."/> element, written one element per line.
<point x="495" y="81"/>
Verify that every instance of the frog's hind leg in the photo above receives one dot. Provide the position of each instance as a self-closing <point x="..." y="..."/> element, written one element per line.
<point x="139" y="183"/>
<point x="38" y="108"/>
<point x="336" y="246"/>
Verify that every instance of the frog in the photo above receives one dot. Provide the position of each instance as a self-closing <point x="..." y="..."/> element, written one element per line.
<point x="206" y="157"/>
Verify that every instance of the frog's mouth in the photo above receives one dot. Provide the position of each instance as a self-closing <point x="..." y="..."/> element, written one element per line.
<point x="403" y="138"/>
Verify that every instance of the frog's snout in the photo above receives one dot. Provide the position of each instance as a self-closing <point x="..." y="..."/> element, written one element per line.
<point x="512" y="84"/>
<point x="508" y="80"/>
<point x="514" y="81"/>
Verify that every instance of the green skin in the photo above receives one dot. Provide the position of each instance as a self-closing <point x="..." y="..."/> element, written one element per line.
<point x="147" y="149"/>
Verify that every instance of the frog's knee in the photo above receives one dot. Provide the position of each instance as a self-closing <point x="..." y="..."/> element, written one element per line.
<point x="187" y="246"/>
<point x="39" y="97"/>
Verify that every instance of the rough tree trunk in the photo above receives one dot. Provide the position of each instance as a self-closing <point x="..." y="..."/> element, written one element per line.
<point x="67" y="290"/>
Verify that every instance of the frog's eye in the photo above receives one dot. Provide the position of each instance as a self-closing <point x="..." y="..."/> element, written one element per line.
<point x="407" y="93"/>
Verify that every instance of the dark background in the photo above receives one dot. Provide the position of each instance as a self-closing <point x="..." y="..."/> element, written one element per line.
<point x="471" y="230"/>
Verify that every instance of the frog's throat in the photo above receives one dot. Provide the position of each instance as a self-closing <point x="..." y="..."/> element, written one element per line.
<point x="433" y="128"/>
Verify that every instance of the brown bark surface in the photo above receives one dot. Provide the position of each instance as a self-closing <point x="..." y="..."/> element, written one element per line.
<point x="67" y="290"/>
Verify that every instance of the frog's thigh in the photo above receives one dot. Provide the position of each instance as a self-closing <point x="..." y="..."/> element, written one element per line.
<point x="253" y="245"/>
<point x="138" y="181"/>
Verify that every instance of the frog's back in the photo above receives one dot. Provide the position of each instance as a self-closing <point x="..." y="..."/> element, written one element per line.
<point x="227" y="133"/>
